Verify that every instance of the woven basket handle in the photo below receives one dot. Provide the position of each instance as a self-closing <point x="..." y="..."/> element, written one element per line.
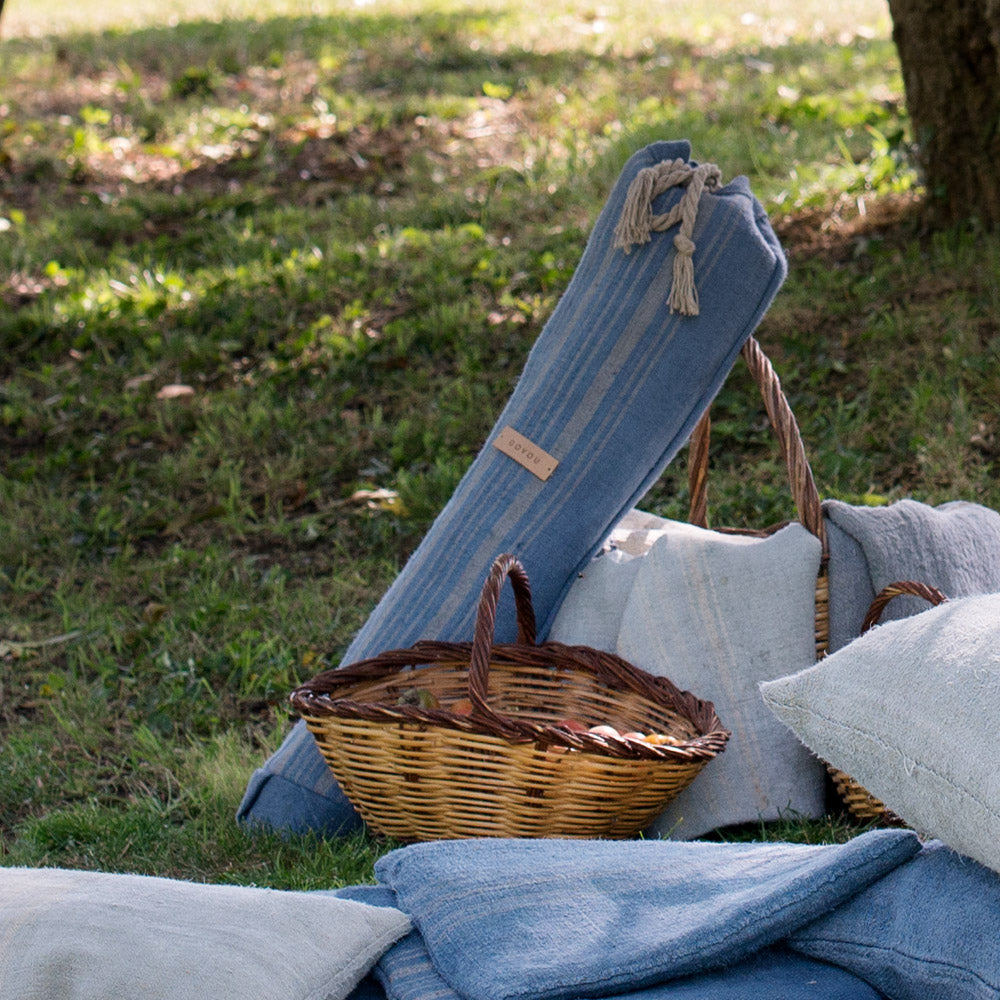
<point x="504" y="566"/>
<point x="804" y="492"/>
<point x="897" y="589"/>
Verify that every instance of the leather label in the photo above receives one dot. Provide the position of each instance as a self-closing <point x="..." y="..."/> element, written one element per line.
<point x="519" y="448"/>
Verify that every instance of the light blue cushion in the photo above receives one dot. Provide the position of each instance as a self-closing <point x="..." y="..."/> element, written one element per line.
<point x="556" y="920"/>
<point x="954" y="547"/>
<point x="564" y="899"/>
<point x="911" y="711"/>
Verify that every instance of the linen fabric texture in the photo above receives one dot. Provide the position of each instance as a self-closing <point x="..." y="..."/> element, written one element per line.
<point x="406" y="972"/>
<point x="503" y="919"/>
<point x="717" y="614"/>
<point x="954" y="547"/>
<point x="911" y="710"/>
<point x="96" y="936"/>
<point x="612" y="388"/>
<point x="778" y="971"/>
<point x="927" y="931"/>
<point x="918" y="928"/>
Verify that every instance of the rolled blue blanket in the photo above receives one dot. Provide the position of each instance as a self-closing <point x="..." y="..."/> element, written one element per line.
<point x="669" y="287"/>
<point x="773" y="973"/>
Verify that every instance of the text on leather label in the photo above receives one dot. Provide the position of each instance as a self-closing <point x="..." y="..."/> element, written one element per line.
<point x="524" y="452"/>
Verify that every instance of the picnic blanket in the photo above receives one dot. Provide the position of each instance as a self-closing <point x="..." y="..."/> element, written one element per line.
<point x="557" y="920"/>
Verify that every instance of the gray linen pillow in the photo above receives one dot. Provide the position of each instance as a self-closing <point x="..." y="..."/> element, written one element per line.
<point x="96" y="936"/>
<point x="911" y="710"/>
<point x="719" y="613"/>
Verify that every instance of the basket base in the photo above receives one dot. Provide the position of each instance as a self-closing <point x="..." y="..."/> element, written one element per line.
<point x="412" y="782"/>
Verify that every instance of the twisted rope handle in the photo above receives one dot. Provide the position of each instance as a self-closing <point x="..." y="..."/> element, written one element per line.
<point x="782" y="420"/>
<point x="638" y="223"/>
<point x="504" y="567"/>
<point x="897" y="589"/>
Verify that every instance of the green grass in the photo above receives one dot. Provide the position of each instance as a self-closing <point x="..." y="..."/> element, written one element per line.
<point x="342" y="227"/>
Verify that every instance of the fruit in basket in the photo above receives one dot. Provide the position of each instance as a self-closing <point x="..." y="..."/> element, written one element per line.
<point x="461" y="707"/>
<point x="605" y="731"/>
<point x="418" y="698"/>
<point x="573" y="725"/>
<point x="663" y="740"/>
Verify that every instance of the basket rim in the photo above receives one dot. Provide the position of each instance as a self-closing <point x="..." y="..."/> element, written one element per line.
<point x="340" y="693"/>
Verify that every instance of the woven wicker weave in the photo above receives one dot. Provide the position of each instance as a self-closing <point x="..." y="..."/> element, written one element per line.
<point x="803" y="486"/>
<point x="508" y="768"/>
<point x="857" y="799"/>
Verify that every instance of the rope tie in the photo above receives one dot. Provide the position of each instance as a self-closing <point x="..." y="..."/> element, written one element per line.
<point x="637" y="222"/>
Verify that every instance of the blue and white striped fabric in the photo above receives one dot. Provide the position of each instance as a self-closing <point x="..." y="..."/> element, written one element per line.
<point x="409" y="974"/>
<point x="611" y="390"/>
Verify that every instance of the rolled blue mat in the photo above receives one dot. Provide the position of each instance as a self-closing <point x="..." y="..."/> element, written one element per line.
<point x="639" y="344"/>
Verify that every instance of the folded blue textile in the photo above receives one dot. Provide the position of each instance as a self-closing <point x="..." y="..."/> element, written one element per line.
<point x="557" y="920"/>
<point x="771" y="974"/>
<point x="611" y="391"/>
<point x="927" y="931"/>
<point x="406" y="972"/>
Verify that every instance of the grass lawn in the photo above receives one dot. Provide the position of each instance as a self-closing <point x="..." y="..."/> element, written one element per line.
<point x="338" y="228"/>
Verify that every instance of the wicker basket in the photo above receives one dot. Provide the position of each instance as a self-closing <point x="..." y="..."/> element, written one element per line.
<point x="504" y="765"/>
<point x="809" y="509"/>
<point x="858" y="800"/>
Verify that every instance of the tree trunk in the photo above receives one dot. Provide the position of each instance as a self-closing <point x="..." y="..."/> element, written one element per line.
<point x="950" y="55"/>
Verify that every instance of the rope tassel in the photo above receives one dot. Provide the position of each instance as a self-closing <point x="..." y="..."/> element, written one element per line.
<point x="638" y="223"/>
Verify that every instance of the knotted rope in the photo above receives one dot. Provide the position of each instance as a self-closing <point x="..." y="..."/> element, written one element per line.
<point x="637" y="222"/>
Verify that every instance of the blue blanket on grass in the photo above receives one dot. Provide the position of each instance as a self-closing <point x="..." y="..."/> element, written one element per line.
<point x="653" y="920"/>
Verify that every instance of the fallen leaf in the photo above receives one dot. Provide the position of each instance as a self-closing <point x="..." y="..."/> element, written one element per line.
<point x="175" y="392"/>
<point x="378" y="494"/>
<point x="153" y="612"/>
<point x="380" y="499"/>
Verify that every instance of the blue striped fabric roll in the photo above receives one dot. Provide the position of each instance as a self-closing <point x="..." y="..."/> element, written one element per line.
<point x="409" y="973"/>
<point x="610" y="392"/>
